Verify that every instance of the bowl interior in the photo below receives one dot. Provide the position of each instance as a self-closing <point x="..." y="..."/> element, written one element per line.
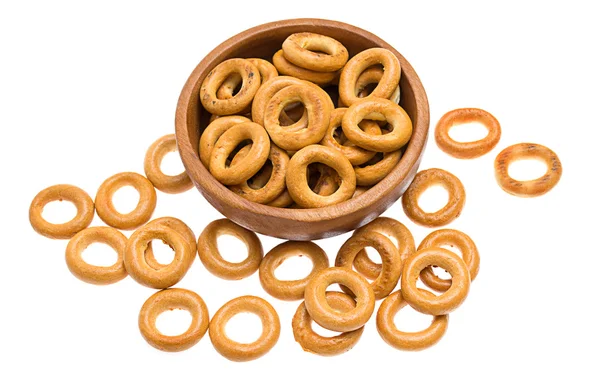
<point x="262" y="42"/>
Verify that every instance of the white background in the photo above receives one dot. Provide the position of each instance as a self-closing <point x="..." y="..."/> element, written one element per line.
<point x="85" y="89"/>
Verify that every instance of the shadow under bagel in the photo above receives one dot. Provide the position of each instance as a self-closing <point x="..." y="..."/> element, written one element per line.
<point x="299" y="224"/>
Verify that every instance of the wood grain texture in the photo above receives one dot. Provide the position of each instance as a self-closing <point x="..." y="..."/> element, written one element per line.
<point x="299" y="224"/>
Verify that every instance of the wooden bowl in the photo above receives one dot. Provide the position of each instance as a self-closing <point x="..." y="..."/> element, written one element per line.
<point x="299" y="224"/>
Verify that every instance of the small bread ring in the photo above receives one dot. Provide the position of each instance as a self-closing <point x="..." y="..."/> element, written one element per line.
<point x="318" y="109"/>
<point x="371" y="76"/>
<point x="355" y="154"/>
<point x="289" y="69"/>
<point x="213" y="132"/>
<point x="276" y="181"/>
<point x="446" y="302"/>
<point x="135" y="218"/>
<point x="246" y="167"/>
<point x="297" y="182"/>
<point x="208" y="250"/>
<point x="81" y="200"/>
<point x="227" y="89"/>
<point x="391" y="263"/>
<point x="529" y="188"/>
<point x="167" y="300"/>
<point x="140" y="270"/>
<point x="370" y="174"/>
<point x="233" y="350"/>
<point x="463" y="242"/>
<point x="467" y="150"/>
<point x="215" y="78"/>
<point x="161" y="181"/>
<point x="312" y="342"/>
<point x="297" y="50"/>
<point x="407" y="340"/>
<point x="176" y="225"/>
<point x="290" y="290"/>
<point x="98" y="275"/>
<point x="393" y="114"/>
<point x="387" y="227"/>
<point x="324" y="315"/>
<point x="422" y="181"/>
<point x="266" y="92"/>
<point x="359" y="63"/>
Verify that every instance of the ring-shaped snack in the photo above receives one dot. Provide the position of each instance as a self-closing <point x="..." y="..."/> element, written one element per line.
<point x="233" y="350"/>
<point x="359" y="63"/>
<point x="297" y="181"/>
<point x="215" y="78"/>
<point x="94" y="274"/>
<point x="266" y="92"/>
<point x="290" y="290"/>
<point x="370" y="174"/>
<point x="460" y="240"/>
<point x="369" y="77"/>
<point x="529" y="188"/>
<point x="355" y="154"/>
<point x="299" y="49"/>
<point x="135" y="218"/>
<point x="208" y="250"/>
<point x="446" y="302"/>
<point x="249" y="165"/>
<point x="467" y="150"/>
<point x="213" y="132"/>
<point x="408" y="340"/>
<point x="167" y="300"/>
<point x="393" y="114"/>
<point x="323" y="314"/>
<point x="422" y="181"/>
<point x="312" y="342"/>
<point x="392" y="229"/>
<point x="318" y="109"/>
<point x="275" y="184"/>
<point x="176" y="225"/>
<point x="287" y="68"/>
<point x="161" y="181"/>
<point x="140" y="270"/>
<point x="227" y="89"/>
<point x="82" y="201"/>
<point x="391" y="263"/>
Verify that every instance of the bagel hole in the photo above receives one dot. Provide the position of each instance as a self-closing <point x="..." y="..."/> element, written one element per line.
<point x="441" y="273"/>
<point x="59" y="211"/>
<point x="173" y="322"/>
<point x="232" y="249"/>
<point x="392" y="239"/>
<point x="433" y="199"/>
<point x="527" y="169"/>
<point x="235" y="90"/>
<point x="163" y="252"/>
<point x="171" y="164"/>
<point x="468" y="132"/>
<point x="367" y="90"/>
<point x="99" y="254"/>
<point x="323" y="331"/>
<point x="263" y="176"/>
<point x="294" y="112"/>
<point x="126" y="199"/>
<point x="339" y="136"/>
<point x="244" y="327"/>
<point x="315" y="172"/>
<point x="237" y="149"/>
<point x="294" y="268"/>
<point x="410" y="320"/>
<point x="373" y="255"/>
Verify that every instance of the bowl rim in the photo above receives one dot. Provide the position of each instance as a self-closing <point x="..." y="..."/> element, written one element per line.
<point x="208" y="185"/>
